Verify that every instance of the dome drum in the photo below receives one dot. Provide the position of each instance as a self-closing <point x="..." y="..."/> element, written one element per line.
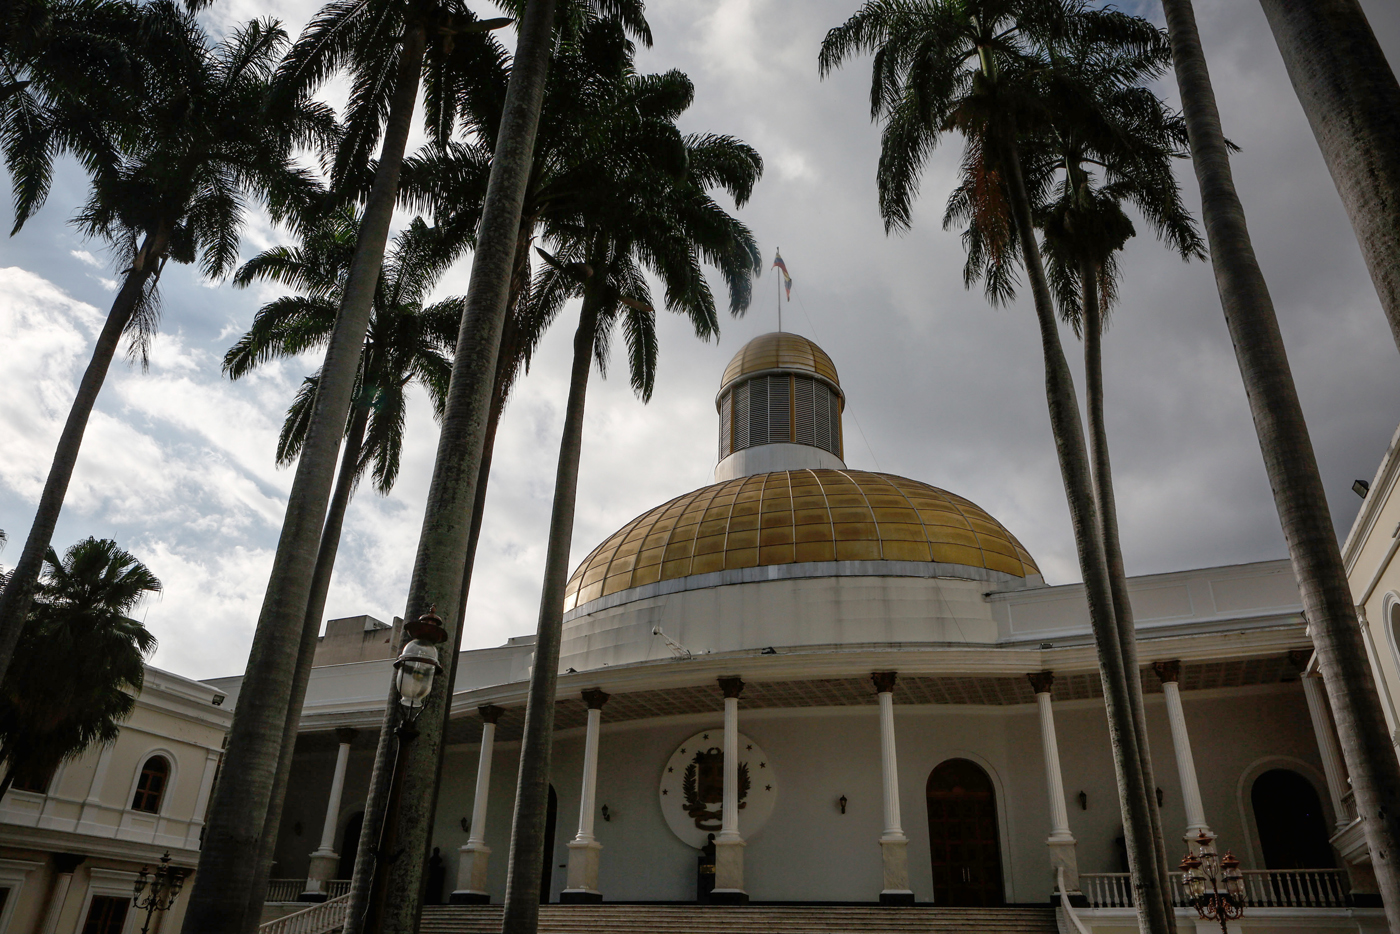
<point x="779" y="409"/>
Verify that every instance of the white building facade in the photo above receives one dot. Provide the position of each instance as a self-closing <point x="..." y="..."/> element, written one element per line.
<point x="71" y="848"/>
<point x="861" y="688"/>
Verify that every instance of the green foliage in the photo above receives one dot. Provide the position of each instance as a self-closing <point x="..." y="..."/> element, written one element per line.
<point x="407" y="341"/>
<point x="80" y="660"/>
<point x="175" y="142"/>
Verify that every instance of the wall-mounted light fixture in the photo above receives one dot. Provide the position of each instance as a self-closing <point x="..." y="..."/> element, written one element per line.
<point x="1159" y="797"/>
<point x="1083" y="801"/>
<point x="841" y="803"/>
<point x="466" y="825"/>
<point x="607" y="815"/>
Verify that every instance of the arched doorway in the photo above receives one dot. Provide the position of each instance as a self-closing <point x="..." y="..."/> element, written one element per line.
<point x="551" y="821"/>
<point x="350" y="845"/>
<point x="1292" y="827"/>
<point x="963" y="838"/>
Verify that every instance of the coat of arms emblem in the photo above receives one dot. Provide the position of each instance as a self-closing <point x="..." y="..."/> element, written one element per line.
<point x="702" y="788"/>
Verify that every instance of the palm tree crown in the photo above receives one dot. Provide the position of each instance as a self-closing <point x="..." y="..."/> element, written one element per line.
<point x="80" y="661"/>
<point x="407" y="340"/>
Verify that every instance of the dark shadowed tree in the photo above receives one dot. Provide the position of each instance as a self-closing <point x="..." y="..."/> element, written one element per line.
<point x="1292" y="467"/>
<point x="80" y="662"/>
<point x="977" y="69"/>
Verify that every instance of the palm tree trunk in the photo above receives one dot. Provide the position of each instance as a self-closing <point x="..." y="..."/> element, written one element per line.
<point x="1292" y="467"/>
<point x="537" y="743"/>
<point x="1107" y="508"/>
<point x="1075" y="472"/>
<point x="442" y="545"/>
<point x="311" y="630"/>
<point x="1352" y="100"/>
<point x="229" y="858"/>
<point x="24" y="577"/>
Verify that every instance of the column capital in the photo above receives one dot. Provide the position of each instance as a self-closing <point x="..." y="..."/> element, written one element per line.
<point x="1299" y="659"/>
<point x="66" y="863"/>
<point x="490" y="713"/>
<point x="1041" y="681"/>
<point x="884" y="681"/>
<point x="346" y="735"/>
<point x="595" y="698"/>
<point x="731" y="686"/>
<point x="1168" y="672"/>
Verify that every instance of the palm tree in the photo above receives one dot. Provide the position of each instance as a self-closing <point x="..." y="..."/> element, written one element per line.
<point x="1291" y="466"/>
<point x="977" y="67"/>
<point x="657" y="216"/>
<point x="173" y="155"/>
<point x="385" y="46"/>
<point x="1351" y="97"/>
<point x="80" y="661"/>
<point x="454" y="498"/>
<point x="407" y="342"/>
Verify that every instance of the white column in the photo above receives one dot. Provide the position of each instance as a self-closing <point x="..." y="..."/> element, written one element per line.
<point x="729" y="845"/>
<point x="324" y="859"/>
<point x="1327" y="748"/>
<point x="474" y="856"/>
<point x="63" y="864"/>
<point x="1168" y="673"/>
<point x="894" y="845"/>
<point x="584" y="848"/>
<point x="1061" y="842"/>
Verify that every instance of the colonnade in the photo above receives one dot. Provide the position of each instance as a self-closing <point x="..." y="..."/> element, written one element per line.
<point x="585" y="850"/>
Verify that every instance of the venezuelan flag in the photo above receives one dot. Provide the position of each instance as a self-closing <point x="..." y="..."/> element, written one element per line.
<point x="787" y="278"/>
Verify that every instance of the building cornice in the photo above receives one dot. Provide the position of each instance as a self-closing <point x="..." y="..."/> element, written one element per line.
<point x="1382" y="485"/>
<point x="62" y="841"/>
<point x="839" y="661"/>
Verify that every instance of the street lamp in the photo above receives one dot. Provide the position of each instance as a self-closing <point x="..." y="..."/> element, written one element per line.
<point x="414" y="670"/>
<point x="157" y="891"/>
<point x="1214" y="884"/>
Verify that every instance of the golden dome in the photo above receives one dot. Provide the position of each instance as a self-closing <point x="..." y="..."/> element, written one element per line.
<point x="806" y="515"/>
<point x="780" y="350"/>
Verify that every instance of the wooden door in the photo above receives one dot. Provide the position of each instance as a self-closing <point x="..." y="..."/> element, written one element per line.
<point x="964" y="840"/>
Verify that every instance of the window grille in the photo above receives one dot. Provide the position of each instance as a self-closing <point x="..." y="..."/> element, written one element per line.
<point x="780" y="409"/>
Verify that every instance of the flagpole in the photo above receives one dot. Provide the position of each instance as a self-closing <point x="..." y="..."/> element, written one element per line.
<point x="780" y="296"/>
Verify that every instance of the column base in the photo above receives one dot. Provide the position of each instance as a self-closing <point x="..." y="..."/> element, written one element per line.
<point x="729" y="897"/>
<point x="897" y="898"/>
<point x="582" y="884"/>
<point x="580" y="897"/>
<point x="469" y="898"/>
<point x="472" y="860"/>
<point x="324" y="863"/>
<point x="729" y="871"/>
<point x="894" y="860"/>
<point x="1063" y="856"/>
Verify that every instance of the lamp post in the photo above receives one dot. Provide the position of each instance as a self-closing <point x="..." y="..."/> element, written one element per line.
<point x="157" y="891"/>
<point x="413" y="679"/>
<point x="1214" y="884"/>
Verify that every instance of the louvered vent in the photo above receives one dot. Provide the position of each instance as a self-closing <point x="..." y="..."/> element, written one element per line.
<point x="780" y="409"/>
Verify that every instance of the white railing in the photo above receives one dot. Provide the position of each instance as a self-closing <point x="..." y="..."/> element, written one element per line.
<point x="289" y="890"/>
<point x="318" y="919"/>
<point x="284" y="890"/>
<point x="1263" y="888"/>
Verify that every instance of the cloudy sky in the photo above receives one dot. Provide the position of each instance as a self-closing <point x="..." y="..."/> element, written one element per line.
<point x="178" y="462"/>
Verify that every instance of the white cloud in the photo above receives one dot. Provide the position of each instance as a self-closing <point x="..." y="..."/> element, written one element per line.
<point x="83" y="256"/>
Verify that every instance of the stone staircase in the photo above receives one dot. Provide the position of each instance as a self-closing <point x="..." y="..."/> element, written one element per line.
<point x="775" y="919"/>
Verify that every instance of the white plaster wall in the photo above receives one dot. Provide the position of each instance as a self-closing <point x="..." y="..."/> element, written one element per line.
<point x="808" y="611"/>
<point x="808" y="851"/>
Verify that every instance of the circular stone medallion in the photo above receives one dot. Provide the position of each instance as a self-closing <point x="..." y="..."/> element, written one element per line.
<point x="692" y="787"/>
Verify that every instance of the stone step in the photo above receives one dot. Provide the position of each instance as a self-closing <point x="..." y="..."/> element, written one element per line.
<point x="714" y="919"/>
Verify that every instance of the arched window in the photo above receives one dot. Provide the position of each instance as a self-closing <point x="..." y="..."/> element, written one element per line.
<point x="150" y="789"/>
<point x="1292" y="828"/>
